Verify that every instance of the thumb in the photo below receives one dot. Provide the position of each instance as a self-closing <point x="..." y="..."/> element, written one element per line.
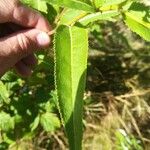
<point x="17" y="46"/>
<point x="25" y="42"/>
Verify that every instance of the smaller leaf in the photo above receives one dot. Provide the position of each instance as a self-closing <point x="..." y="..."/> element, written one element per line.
<point x="4" y="94"/>
<point x="137" y="18"/>
<point x="6" y="122"/>
<point x="51" y="13"/>
<point x="36" y="4"/>
<point x="111" y="2"/>
<point x="138" y="26"/>
<point x="49" y="122"/>
<point x="35" y="124"/>
<point x="98" y="3"/>
<point x="98" y="16"/>
<point x="70" y="16"/>
<point x="74" y="4"/>
<point x="9" y="77"/>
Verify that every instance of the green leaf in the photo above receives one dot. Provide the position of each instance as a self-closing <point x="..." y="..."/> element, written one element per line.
<point x="35" y="123"/>
<point x="98" y="3"/>
<point x="51" y="13"/>
<point x="86" y="1"/>
<point x="9" y="77"/>
<point x="98" y="16"/>
<point x="6" y="122"/>
<point x="138" y="20"/>
<point x="70" y="16"/>
<point x="111" y="2"/>
<point x="36" y="4"/>
<point x="49" y="122"/>
<point x="74" y="4"/>
<point x="4" y="94"/>
<point x="140" y="11"/>
<point x="71" y="48"/>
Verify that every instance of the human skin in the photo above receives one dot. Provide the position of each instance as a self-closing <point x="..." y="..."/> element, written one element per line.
<point x="23" y="31"/>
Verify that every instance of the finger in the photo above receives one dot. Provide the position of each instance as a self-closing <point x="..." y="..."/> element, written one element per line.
<point x="24" y="43"/>
<point x="30" y="60"/>
<point x="22" y="15"/>
<point x="22" y="69"/>
<point x="28" y="17"/>
<point x="6" y="9"/>
<point x="20" y="45"/>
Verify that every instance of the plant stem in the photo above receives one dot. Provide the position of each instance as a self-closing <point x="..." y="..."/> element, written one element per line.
<point x="51" y="32"/>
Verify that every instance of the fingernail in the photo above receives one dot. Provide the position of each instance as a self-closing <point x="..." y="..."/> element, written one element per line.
<point x="43" y="39"/>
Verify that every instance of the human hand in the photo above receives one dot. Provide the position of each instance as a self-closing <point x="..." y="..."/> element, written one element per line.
<point x="22" y="32"/>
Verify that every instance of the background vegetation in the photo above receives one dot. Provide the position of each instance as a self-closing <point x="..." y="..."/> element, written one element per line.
<point x="116" y="100"/>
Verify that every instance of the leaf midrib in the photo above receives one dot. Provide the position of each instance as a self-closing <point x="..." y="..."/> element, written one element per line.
<point x="71" y="68"/>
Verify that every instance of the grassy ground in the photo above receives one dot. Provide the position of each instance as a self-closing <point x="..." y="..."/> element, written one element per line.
<point x="118" y="91"/>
